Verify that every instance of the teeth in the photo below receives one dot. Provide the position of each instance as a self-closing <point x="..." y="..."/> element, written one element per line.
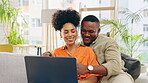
<point x="86" y="38"/>
<point x="70" y="39"/>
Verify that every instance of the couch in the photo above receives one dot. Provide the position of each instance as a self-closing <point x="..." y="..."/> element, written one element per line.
<point x="12" y="68"/>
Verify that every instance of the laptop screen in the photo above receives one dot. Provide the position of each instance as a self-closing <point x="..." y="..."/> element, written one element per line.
<point x="51" y="69"/>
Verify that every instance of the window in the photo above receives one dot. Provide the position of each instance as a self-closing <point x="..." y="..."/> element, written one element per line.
<point x="36" y="42"/>
<point x="145" y="12"/>
<point x="36" y="2"/>
<point x="23" y="2"/>
<point x="145" y="27"/>
<point x="36" y="22"/>
<point x="145" y="44"/>
<point x="69" y="1"/>
<point x="145" y="0"/>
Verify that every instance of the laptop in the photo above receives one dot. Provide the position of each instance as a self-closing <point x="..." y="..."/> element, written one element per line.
<point x="51" y="69"/>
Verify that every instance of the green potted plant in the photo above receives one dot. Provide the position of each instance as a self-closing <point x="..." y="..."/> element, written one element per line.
<point x="131" y="41"/>
<point x="12" y="21"/>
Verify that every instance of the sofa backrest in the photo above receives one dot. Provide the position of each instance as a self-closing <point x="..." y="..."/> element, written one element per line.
<point x="12" y="68"/>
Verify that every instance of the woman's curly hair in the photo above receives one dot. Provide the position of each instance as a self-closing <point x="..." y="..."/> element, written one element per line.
<point x="61" y="17"/>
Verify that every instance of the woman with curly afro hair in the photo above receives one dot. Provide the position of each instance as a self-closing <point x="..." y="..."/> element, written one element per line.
<point x="66" y="21"/>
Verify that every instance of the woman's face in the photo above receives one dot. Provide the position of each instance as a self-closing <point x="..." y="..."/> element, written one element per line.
<point x="69" y="33"/>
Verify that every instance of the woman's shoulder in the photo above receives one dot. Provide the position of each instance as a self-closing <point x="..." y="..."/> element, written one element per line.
<point x="84" y="47"/>
<point x="60" y="48"/>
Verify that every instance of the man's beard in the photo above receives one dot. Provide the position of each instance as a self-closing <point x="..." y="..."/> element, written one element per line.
<point x="88" y="44"/>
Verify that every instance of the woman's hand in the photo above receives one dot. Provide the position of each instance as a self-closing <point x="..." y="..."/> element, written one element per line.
<point x="91" y="79"/>
<point x="46" y="54"/>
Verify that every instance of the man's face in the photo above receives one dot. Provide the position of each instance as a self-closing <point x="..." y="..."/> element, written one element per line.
<point x="89" y="31"/>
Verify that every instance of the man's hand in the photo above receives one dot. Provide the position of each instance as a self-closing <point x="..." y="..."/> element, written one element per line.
<point x="82" y="69"/>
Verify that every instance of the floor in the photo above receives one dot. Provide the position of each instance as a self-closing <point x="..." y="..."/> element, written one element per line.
<point x="143" y="78"/>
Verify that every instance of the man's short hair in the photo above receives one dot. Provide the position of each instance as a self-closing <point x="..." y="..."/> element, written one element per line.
<point x="91" y="18"/>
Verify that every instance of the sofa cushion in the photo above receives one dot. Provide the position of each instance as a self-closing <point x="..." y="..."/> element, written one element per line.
<point x="12" y="68"/>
